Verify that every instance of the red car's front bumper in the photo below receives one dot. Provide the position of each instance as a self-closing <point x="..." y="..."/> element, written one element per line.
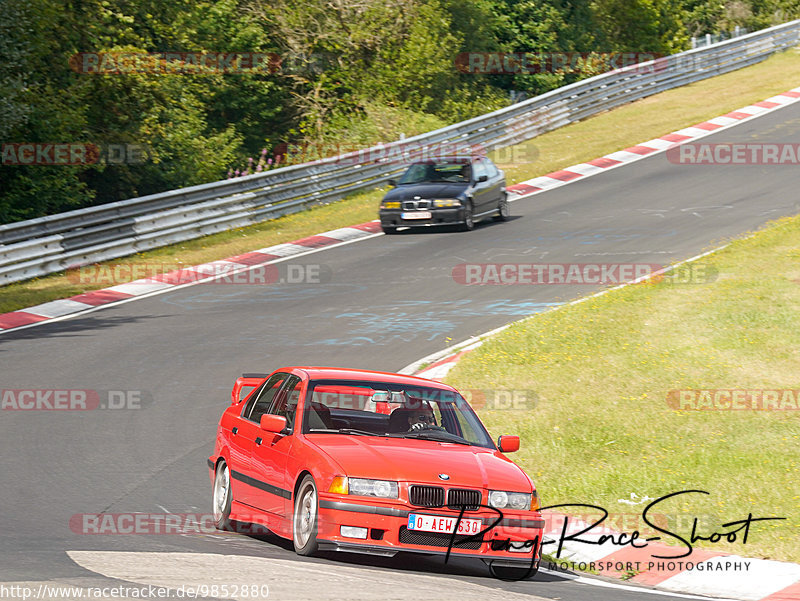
<point x="387" y="532"/>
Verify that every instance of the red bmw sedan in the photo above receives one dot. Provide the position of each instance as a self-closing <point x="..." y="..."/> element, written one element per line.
<point x="371" y="462"/>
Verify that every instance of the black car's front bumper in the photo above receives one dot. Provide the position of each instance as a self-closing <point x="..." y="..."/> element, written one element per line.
<point x="443" y="216"/>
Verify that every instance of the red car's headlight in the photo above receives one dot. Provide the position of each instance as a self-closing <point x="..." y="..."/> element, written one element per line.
<point x="384" y="489"/>
<point x="510" y="500"/>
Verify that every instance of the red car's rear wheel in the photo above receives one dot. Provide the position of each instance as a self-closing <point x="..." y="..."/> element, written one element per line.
<point x="222" y="497"/>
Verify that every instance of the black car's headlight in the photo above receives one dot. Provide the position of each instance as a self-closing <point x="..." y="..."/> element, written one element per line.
<point x="500" y="499"/>
<point x="390" y="204"/>
<point x="384" y="489"/>
<point x="446" y="202"/>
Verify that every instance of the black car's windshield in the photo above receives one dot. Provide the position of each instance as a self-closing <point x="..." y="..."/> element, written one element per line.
<point x="359" y="408"/>
<point x="430" y="171"/>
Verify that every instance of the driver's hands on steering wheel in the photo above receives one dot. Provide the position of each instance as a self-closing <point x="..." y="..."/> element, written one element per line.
<point x="422" y="426"/>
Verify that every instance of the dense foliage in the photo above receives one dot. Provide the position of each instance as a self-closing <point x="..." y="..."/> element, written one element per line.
<point x="350" y="73"/>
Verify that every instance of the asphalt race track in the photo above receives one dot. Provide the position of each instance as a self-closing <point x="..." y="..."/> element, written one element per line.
<point x="390" y="300"/>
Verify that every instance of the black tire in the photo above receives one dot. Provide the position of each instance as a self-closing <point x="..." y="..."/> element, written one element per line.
<point x="222" y="497"/>
<point x="389" y="230"/>
<point x="305" y="518"/>
<point x="514" y="574"/>
<point x="469" y="222"/>
<point x="503" y="210"/>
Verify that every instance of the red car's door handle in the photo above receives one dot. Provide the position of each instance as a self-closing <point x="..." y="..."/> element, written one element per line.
<point x="259" y="441"/>
<point x="234" y="430"/>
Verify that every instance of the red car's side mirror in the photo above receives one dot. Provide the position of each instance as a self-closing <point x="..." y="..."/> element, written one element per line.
<point x="273" y="423"/>
<point x="508" y="444"/>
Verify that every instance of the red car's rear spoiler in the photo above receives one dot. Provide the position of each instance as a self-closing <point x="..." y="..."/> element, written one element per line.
<point x="251" y="381"/>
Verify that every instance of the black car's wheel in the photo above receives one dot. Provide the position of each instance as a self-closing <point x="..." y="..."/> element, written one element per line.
<point x="304" y="520"/>
<point x="222" y="497"/>
<point x="389" y="230"/>
<point x="469" y="221"/>
<point x="503" y="210"/>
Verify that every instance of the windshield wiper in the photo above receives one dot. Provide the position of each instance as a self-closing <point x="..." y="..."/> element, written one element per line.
<point x="357" y="432"/>
<point x="342" y="431"/>
<point x="434" y="435"/>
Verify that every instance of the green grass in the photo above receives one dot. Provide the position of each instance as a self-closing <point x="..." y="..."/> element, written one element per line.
<point x="357" y="209"/>
<point x="602" y="369"/>
<point x="578" y="142"/>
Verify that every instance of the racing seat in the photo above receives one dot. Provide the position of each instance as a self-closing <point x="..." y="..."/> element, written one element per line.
<point x="398" y="420"/>
<point x="318" y="417"/>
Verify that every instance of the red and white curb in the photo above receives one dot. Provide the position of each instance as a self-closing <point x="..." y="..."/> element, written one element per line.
<point x="640" y="151"/>
<point x="92" y="301"/>
<point x="196" y="274"/>
<point x="704" y="572"/>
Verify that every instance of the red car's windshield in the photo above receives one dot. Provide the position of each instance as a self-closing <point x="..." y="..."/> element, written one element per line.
<point x="383" y="409"/>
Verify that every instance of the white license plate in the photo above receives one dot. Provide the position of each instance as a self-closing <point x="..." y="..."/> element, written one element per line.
<point x="437" y="523"/>
<point x="417" y="215"/>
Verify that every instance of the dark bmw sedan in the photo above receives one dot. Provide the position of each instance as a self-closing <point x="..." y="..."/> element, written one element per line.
<point x="457" y="190"/>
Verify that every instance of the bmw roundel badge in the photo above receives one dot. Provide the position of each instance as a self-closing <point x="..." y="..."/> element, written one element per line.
<point x="444" y="477"/>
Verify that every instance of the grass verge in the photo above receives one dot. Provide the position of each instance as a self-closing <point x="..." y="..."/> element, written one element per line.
<point x="576" y="143"/>
<point x="602" y="428"/>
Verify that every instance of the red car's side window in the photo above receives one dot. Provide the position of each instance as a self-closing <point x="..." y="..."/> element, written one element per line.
<point x="286" y="403"/>
<point x="259" y="403"/>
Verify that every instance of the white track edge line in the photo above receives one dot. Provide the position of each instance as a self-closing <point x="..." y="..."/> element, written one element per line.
<point x="186" y="285"/>
<point x="655" y="152"/>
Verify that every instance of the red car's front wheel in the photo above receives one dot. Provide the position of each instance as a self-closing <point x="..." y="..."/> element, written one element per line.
<point x="304" y="526"/>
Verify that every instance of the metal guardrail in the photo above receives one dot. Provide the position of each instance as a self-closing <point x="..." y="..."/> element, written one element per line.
<point x="50" y="244"/>
<point x="713" y="38"/>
